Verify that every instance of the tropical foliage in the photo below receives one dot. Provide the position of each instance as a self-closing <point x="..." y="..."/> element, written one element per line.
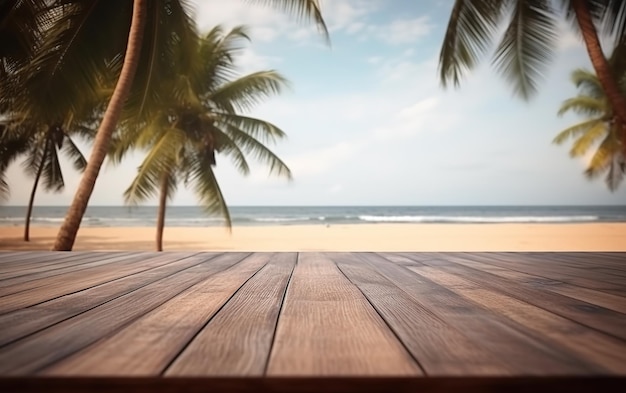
<point x="600" y="131"/>
<point x="63" y="50"/>
<point x="176" y="34"/>
<point x="44" y="143"/>
<point x="528" y="42"/>
<point x="200" y="118"/>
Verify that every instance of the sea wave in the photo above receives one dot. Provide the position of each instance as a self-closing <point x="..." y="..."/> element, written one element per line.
<point x="476" y="219"/>
<point x="281" y="219"/>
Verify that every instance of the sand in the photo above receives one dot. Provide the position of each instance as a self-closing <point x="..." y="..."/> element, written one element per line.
<point x="362" y="237"/>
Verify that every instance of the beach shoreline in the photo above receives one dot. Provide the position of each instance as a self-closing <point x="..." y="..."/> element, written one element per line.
<point x="345" y="237"/>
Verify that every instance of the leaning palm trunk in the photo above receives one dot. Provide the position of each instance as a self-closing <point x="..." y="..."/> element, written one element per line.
<point x="31" y="201"/>
<point x="600" y="63"/>
<point x="161" y="214"/>
<point x="67" y="234"/>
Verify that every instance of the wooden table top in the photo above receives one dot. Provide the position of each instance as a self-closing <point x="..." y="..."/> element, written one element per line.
<point x="150" y="320"/>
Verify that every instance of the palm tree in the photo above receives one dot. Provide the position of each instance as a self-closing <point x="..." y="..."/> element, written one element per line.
<point x="600" y="130"/>
<point x="529" y="39"/>
<point x="46" y="142"/>
<point x="12" y="145"/>
<point x="201" y="119"/>
<point x="81" y="38"/>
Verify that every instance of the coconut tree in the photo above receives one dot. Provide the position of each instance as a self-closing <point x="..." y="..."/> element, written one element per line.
<point x="600" y="131"/>
<point x="202" y="119"/>
<point x="47" y="142"/>
<point x="530" y="31"/>
<point x="82" y="37"/>
<point x="12" y="146"/>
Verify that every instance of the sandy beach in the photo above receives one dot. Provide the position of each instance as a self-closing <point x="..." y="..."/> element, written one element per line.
<point x="361" y="237"/>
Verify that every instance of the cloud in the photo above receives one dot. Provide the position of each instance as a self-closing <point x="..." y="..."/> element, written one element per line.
<point x="249" y="60"/>
<point x="323" y="160"/>
<point x="403" y="31"/>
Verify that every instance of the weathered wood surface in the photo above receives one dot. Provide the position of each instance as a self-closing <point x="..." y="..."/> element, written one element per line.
<point x="404" y="316"/>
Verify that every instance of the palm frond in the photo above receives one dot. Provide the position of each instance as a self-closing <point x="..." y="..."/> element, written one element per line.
<point x="231" y="149"/>
<point x="305" y="10"/>
<point x="603" y="157"/>
<point x="214" y="63"/>
<point x="259" y="129"/>
<point x="80" y="36"/>
<point x="468" y="35"/>
<point x="52" y="174"/>
<point x="160" y="159"/>
<point x="615" y="174"/>
<point x="613" y="18"/>
<point x="527" y="45"/>
<point x="584" y="142"/>
<point x="259" y="151"/>
<point x="73" y="153"/>
<point x="588" y="83"/>
<point x="170" y="40"/>
<point x="207" y="188"/>
<point x="246" y="92"/>
<point x="585" y="105"/>
<point x="34" y="156"/>
<point x="136" y="135"/>
<point x="576" y="130"/>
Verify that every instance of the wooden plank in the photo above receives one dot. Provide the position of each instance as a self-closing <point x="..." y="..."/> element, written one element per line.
<point x="399" y="259"/>
<point x="35" y="275"/>
<point x="439" y="348"/>
<point x="238" y="339"/>
<point x="327" y="327"/>
<point x="32" y="260"/>
<point x="617" y="259"/>
<point x="602" y="299"/>
<point x="602" y="319"/>
<point x="606" y="352"/>
<point x="149" y="344"/>
<point x="36" y="267"/>
<point x="101" y="262"/>
<point x="58" y="286"/>
<point x="25" y="321"/>
<point x="11" y="258"/>
<point x="447" y="335"/>
<point x="589" y="266"/>
<point x="518" y="348"/>
<point x="543" y="267"/>
<point x="44" y="348"/>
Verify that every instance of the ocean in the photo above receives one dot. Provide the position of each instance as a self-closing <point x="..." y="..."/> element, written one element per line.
<point x="113" y="216"/>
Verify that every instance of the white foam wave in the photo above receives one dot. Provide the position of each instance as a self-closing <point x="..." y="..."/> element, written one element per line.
<point x="484" y="219"/>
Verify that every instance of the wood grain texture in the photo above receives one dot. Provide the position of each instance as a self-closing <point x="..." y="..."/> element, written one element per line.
<point x="20" y="323"/>
<point x="440" y="348"/>
<point x="38" y="270"/>
<point x="515" y="346"/>
<point x="150" y="343"/>
<point x="237" y="341"/>
<point x="602" y="299"/>
<point x="603" y="354"/>
<point x="48" y="262"/>
<point x="592" y="316"/>
<point x="35" y="352"/>
<point x="327" y="327"/>
<point x="170" y="316"/>
<point x="547" y="265"/>
<point x="38" y="291"/>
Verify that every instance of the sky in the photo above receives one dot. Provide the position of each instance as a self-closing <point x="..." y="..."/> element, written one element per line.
<point x="368" y="122"/>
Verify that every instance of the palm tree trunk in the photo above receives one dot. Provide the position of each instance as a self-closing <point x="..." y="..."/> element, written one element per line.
<point x="600" y="63"/>
<point x="161" y="214"/>
<point x="67" y="234"/>
<point x="31" y="201"/>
